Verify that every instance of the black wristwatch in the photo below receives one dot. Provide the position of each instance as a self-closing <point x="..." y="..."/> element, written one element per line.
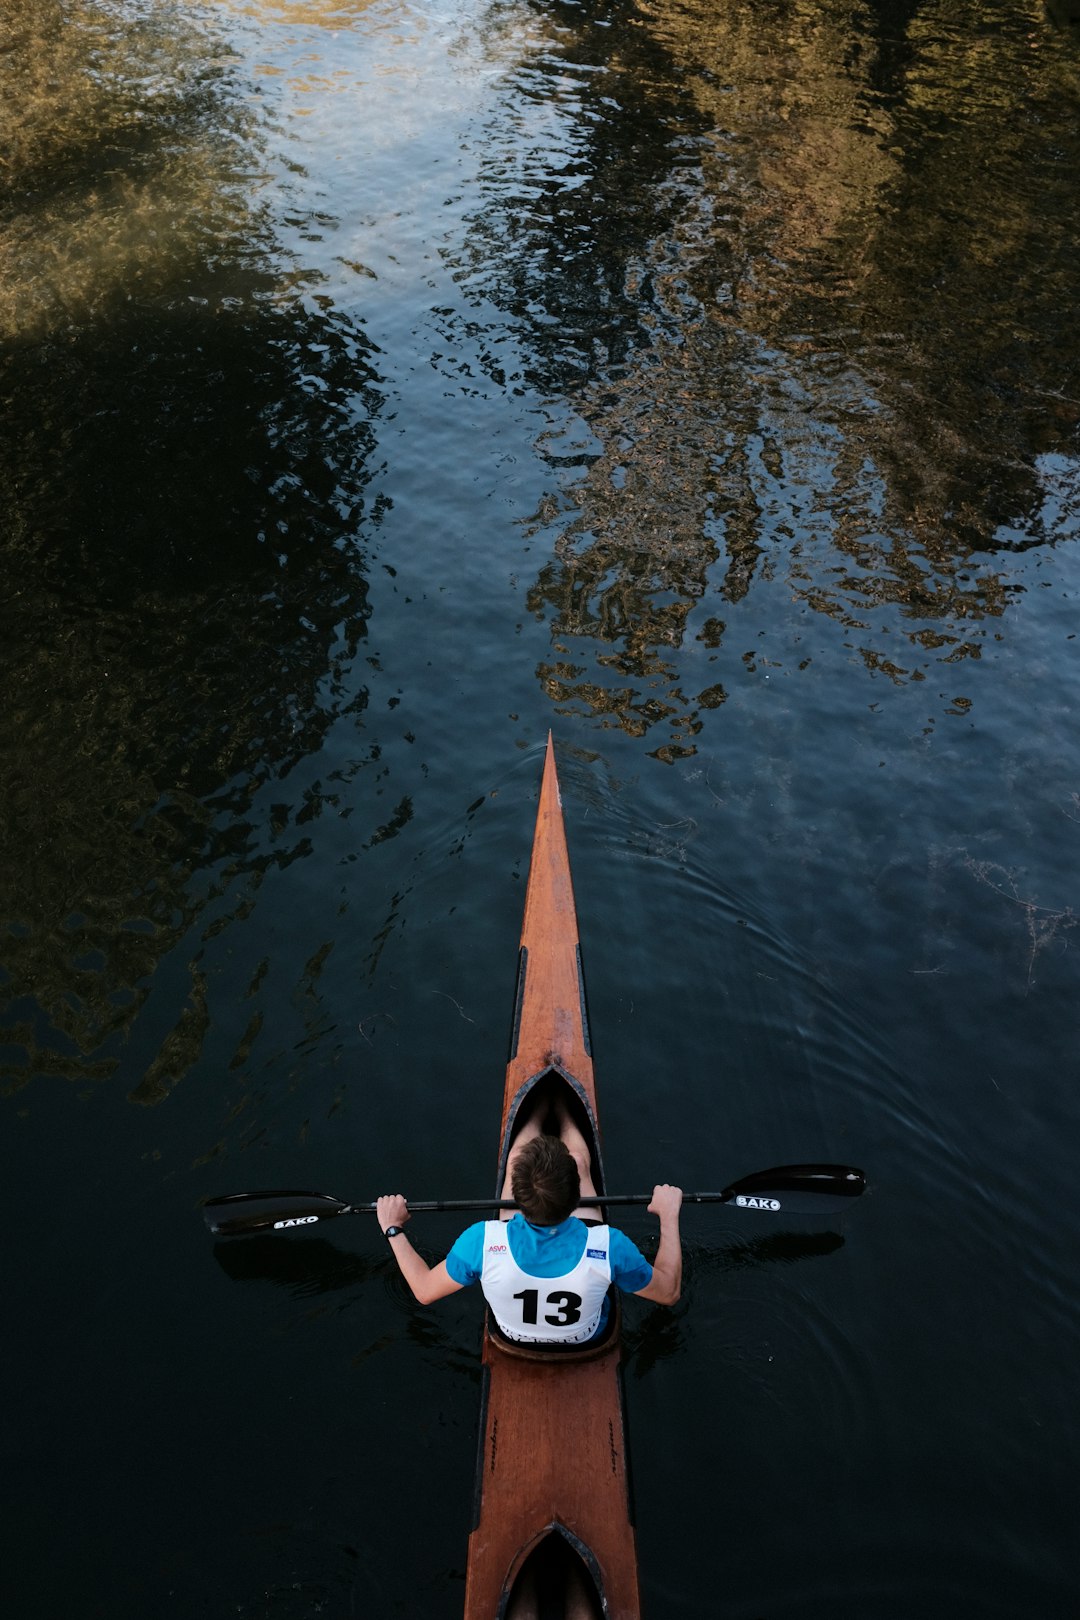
<point x="393" y="1231"/>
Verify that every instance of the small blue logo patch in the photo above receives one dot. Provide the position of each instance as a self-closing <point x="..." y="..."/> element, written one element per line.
<point x="596" y="1254"/>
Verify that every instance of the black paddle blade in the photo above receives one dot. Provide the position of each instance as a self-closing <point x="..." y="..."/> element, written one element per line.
<point x="238" y="1214"/>
<point x="798" y="1189"/>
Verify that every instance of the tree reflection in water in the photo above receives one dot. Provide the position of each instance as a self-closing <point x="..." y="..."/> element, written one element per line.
<point x="183" y="475"/>
<point x="800" y="271"/>
<point x="788" y="282"/>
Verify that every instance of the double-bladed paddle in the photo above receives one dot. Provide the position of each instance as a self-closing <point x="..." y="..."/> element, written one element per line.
<point x="792" y="1189"/>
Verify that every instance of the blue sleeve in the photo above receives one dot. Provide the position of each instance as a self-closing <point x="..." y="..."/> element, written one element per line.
<point x="629" y="1267"/>
<point x="466" y="1259"/>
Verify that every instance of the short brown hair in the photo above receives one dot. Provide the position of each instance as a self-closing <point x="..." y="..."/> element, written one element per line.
<point x="545" y="1181"/>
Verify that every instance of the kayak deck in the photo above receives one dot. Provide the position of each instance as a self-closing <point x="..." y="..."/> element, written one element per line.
<point x="553" y="1533"/>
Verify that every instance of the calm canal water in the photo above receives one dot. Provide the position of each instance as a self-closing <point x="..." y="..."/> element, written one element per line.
<point x="384" y="384"/>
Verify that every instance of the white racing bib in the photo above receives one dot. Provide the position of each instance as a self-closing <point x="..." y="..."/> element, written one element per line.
<point x="546" y="1310"/>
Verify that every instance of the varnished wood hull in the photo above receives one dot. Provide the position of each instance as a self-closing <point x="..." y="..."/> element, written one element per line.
<point x="552" y="1455"/>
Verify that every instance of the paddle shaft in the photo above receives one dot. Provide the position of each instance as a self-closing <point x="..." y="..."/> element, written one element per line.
<point x="465" y="1204"/>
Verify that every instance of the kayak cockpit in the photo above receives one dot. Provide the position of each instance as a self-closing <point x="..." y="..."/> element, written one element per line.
<point x="555" y="1582"/>
<point x="540" y="1091"/>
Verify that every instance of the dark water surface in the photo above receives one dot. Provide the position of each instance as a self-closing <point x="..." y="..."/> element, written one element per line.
<point x="381" y="385"/>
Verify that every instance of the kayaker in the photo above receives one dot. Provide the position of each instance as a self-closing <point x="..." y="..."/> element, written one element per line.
<point x="545" y="1269"/>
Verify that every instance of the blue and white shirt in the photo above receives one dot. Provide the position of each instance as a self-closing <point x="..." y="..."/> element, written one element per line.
<point x="574" y="1264"/>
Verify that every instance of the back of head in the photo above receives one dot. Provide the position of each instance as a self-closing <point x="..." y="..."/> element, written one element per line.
<point x="545" y="1181"/>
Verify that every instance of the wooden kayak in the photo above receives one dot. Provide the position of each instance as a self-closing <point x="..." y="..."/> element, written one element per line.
<point x="553" y="1528"/>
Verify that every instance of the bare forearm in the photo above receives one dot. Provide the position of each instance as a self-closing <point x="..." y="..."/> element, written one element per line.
<point x="667" y="1267"/>
<point x="414" y="1269"/>
<point x="665" y="1285"/>
<point x="428" y="1283"/>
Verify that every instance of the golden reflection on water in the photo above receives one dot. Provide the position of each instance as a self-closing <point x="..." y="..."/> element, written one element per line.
<point x="178" y="428"/>
<point x="828" y="391"/>
<point x="126" y="145"/>
<point x="332" y="14"/>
